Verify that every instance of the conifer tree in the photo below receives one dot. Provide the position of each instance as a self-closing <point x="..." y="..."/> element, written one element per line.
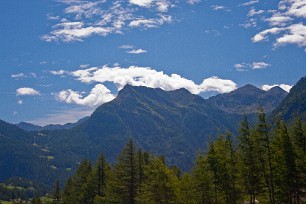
<point x="285" y="173"/>
<point x="299" y="144"/>
<point x="160" y="185"/>
<point x="97" y="179"/>
<point x="202" y="180"/>
<point x="263" y="150"/>
<point x="249" y="170"/>
<point x="123" y="186"/>
<point x="76" y="190"/>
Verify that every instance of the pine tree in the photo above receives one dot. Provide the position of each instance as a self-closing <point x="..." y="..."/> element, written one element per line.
<point x="213" y="166"/>
<point x="123" y="186"/>
<point x="263" y="150"/>
<point x="249" y="170"/>
<point x="299" y="144"/>
<point x="202" y="180"/>
<point x="76" y="190"/>
<point x="97" y="179"/>
<point x="160" y="185"/>
<point x="187" y="190"/>
<point x="286" y="168"/>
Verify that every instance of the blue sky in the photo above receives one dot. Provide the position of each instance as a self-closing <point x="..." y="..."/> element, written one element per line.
<point x="60" y="59"/>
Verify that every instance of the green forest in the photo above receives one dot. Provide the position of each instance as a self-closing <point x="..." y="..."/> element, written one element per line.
<point x="265" y="163"/>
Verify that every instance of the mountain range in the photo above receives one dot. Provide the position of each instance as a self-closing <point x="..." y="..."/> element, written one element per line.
<point x="176" y="124"/>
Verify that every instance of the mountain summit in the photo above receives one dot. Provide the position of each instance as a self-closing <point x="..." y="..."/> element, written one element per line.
<point x="248" y="99"/>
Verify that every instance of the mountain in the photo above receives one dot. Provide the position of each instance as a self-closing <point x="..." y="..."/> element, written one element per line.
<point x="20" y="156"/>
<point x="247" y="100"/>
<point x="294" y="104"/>
<point x="176" y="124"/>
<point x="30" y="127"/>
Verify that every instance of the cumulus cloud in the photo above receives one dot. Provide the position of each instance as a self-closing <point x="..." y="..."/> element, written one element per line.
<point x="20" y="102"/>
<point x="135" y="76"/>
<point x="26" y="91"/>
<point x="98" y="95"/>
<point x="285" y="87"/>
<point x="286" y="24"/>
<point x="138" y="51"/>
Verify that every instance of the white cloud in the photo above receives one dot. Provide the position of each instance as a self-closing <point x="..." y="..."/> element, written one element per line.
<point x="285" y="87"/>
<point x="18" y="76"/>
<point x="296" y="35"/>
<point x="219" y="7"/>
<point x="259" y="65"/>
<point x="150" y="23"/>
<point x="83" y="66"/>
<point x="20" y="102"/>
<point x="250" y="23"/>
<point x="138" y="51"/>
<point x="98" y="95"/>
<point x="145" y="76"/>
<point x="74" y="31"/>
<point x="253" y="12"/>
<point x="142" y="3"/>
<point x="193" y="1"/>
<point x="253" y="65"/>
<point x="241" y="66"/>
<point x="126" y="46"/>
<point x="287" y="24"/>
<point x="26" y="91"/>
<point x="59" y="72"/>
<point x="83" y="19"/>
<point x="249" y="3"/>
<point x="278" y="20"/>
<point x="135" y="76"/>
<point x="263" y="35"/>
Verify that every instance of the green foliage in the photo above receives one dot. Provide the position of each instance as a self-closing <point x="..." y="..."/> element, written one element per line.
<point x="160" y="185"/>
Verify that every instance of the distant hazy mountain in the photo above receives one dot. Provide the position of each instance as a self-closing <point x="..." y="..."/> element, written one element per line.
<point x="294" y="104"/>
<point x="30" y="127"/>
<point x="248" y="99"/>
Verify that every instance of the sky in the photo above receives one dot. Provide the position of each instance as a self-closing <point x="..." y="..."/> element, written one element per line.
<point x="60" y="59"/>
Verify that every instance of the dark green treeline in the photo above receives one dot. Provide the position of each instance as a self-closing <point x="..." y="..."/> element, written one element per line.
<point x="265" y="164"/>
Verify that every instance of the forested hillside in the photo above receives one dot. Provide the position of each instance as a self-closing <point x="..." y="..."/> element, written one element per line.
<point x="265" y="166"/>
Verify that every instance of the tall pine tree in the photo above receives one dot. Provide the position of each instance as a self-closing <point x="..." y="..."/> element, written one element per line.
<point x="123" y="186"/>
<point x="248" y="163"/>
<point x="264" y="152"/>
